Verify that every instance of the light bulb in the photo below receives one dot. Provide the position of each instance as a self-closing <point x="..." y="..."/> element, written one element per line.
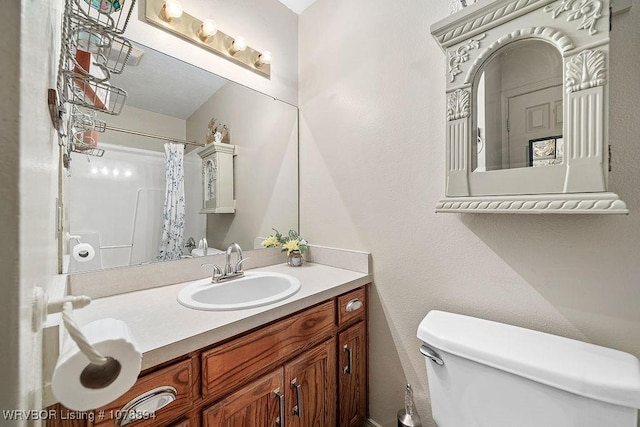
<point x="116" y="172"/>
<point x="127" y="173"/>
<point x="263" y="58"/>
<point x="105" y="170"/>
<point x="94" y="170"/>
<point x="239" y="44"/>
<point x="171" y="9"/>
<point x="207" y="29"/>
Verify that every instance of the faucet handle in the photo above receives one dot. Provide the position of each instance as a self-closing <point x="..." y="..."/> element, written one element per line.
<point x="217" y="272"/>
<point x="238" y="267"/>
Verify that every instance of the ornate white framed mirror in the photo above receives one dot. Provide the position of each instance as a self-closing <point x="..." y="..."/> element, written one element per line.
<point x="527" y="107"/>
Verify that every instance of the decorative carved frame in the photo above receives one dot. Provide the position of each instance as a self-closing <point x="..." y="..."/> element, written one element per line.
<point x="578" y="29"/>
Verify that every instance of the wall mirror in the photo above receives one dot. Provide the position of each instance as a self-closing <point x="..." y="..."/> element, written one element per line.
<point x="114" y="203"/>
<point x="518" y="108"/>
<point x="527" y="107"/>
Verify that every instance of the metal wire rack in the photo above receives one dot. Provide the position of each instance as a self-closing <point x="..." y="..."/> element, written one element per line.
<point x="108" y="51"/>
<point x="92" y="49"/>
<point x="83" y="132"/>
<point x="83" y="90"/>
<point x="112" y="15"/>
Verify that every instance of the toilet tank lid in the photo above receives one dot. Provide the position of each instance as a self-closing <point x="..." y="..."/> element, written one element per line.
<point x="585" y="369"/>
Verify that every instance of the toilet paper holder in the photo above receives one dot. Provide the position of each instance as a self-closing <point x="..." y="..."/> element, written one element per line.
<point x="101" y="370"/>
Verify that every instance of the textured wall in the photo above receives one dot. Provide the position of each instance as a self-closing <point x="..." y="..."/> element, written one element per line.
<point x="143" y="121"/>
<point x="265" y="133"/>
<point x="372" y="169"/>
<point x="9" y="208"/>
<point x="28" y="188"/>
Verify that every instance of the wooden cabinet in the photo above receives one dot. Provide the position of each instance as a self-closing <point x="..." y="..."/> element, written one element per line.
<point x="234" y="363"/>
<point x="258" y="404"/>
<point x="351" y="307"/>
<point x="352" y="375"/>
<point x="311" y="380"/>
<point x="154" y="400"/>
<point x="308" y="369"/>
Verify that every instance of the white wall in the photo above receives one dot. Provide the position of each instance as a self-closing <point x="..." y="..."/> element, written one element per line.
<point x="137" y="119"/>
<point x="10" y="393"/>
<point x="266" y="24"/>
<point x="373" y="108"/>
<point x="265" y="132"/>
<point x="28" y="188"/>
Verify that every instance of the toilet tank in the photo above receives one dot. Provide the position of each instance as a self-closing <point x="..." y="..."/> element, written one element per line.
<point x="498" y="375"/>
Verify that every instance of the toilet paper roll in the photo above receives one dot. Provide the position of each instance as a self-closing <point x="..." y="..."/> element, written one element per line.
<point x="110" y="337"/>
<point x="83" y="252"/>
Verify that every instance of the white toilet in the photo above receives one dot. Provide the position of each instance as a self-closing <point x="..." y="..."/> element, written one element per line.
<point x="488" y="374"/>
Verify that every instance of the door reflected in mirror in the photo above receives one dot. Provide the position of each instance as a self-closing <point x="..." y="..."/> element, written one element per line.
<point x="519" y="108"/>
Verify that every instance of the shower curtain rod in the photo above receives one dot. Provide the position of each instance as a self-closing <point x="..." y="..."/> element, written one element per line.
<point x="149" y="135"/>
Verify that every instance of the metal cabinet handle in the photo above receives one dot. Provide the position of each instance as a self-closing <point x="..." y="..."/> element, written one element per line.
<point x="297" y="409"/>
<point x="353" y="305"/>
<point x="347" y="369"/>
<point x="146" y="403"/>
<point x="431" y="354"/>
<point x="280" y="397"/>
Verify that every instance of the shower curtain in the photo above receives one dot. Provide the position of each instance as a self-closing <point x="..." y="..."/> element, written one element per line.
<point x="173" y="216"/>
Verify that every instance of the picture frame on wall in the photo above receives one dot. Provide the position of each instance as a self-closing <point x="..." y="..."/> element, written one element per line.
<point x="546" y="151"/>
<point x="456" y="5"/>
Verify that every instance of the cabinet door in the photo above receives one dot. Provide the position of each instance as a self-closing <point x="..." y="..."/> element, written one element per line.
<point x="352" y="375"/>
<point x="258" y="404"/>
<point x="311" y="392"/>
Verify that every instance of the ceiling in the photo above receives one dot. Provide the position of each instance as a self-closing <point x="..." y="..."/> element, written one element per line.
<point x="165" y="85"/>
<point x="297" y="5"/>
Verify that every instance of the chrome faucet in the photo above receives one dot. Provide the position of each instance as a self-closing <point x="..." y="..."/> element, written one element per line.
<point x="204" y="245"/>
<point x="217" y="273"/>
<point x="229" y="272"/>
<point x="190" y="245"/>
<point x="237" y="270"/>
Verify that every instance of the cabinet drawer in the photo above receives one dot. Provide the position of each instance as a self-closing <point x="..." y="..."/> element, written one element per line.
<point x="235" y="363"/>
<point x="351" y="306"/>
<point x="172" y="382"/>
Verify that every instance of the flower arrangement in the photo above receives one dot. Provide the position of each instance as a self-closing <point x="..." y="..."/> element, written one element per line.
<point x="290" y="243"/>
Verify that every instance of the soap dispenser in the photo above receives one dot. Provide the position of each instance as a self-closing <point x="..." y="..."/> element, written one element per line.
<point x="408" y="416"/>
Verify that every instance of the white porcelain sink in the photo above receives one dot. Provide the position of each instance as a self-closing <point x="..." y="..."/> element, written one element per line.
<point x="253" y="290"/>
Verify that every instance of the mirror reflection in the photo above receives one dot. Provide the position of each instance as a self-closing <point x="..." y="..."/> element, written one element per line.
<point x="115" y="204"/>
<point x="518" y="108"/>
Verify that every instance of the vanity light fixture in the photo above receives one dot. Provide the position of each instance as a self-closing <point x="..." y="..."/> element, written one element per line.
<point x="239" y="44"/>
<point x="263" y="59"/>
<point x="169" y="16"/>
<point x="171" y="9"/>
<point x="207" y="29"/>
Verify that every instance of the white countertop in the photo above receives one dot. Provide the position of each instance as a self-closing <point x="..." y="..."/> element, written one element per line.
<point x="164" y="329"/>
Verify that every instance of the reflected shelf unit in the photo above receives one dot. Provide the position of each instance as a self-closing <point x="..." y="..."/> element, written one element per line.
<point x="217" y="178"/>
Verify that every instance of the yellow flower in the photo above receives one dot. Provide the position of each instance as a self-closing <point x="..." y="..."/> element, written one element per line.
<point x="271" y="242"/>
<point x="291" y="245"/>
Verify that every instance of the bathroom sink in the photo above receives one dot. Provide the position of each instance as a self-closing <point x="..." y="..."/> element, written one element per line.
<point x="210" y="251"/>
<point x="253" y="290"/>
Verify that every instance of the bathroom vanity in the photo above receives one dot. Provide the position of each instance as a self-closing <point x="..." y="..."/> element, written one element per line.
<point x="303" y="360"/>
